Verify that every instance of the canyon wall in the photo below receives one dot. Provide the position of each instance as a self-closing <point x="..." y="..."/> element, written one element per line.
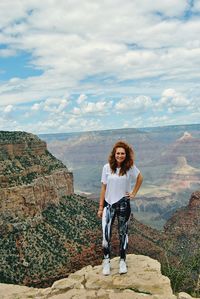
<point x="31" y="178"/>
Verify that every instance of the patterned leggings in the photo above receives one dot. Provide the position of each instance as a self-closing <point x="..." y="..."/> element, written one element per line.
<point x="122" y="210"/>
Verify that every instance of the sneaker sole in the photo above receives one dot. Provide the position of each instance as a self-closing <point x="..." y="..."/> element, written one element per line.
<point x="106" y="274"/>
<point x="123" y="272"/>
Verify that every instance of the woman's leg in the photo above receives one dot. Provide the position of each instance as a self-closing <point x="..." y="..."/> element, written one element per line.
<point x="108" y="217"/>
<point x="123" y="211"/>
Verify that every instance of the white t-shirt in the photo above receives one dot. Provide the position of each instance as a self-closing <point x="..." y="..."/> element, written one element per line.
<point x="116" y="185"/>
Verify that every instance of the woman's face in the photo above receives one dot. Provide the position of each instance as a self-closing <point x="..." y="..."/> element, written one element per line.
<point x="120" y="155"/>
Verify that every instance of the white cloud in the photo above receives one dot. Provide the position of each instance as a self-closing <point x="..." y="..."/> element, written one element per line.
<point x="150" y="44"/>
<point x="80" y="124"/>
<point x="8" y="123"/>
<point x="63" y="104"/>
<point x="50" y="107"/>
<point x="126" y="124"/>
<point x="134" y="104"/>
<point x="81" y="98"/>
<point x="7" y="52"/>
<point x="8" y="109"/>
<point x="67" y="42"/>
<point x="52" y="101"/>
<point x="60" y="125"/>
<point x="36" y="107"/>
<point x="159" y="120"/>
<point x="76" y="110"/>
<point x="100" y="107"/>
<point x="176" y="98"/>
<point x="196" y="6"/>
<point x="55" y="105"/>
<point x="172" y="101"/>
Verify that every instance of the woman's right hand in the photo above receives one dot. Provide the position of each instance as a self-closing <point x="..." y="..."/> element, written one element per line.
<point x="100" y="213"/>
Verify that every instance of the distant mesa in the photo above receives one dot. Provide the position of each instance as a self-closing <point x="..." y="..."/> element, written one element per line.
<point x="183" y="167"/>
<point x="186" y="146"/>
<point x="183" y="176"/>
<point x="186" y="136"/>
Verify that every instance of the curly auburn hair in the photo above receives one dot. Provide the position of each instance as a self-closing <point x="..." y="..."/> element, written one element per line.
<point x="127" y="163"/>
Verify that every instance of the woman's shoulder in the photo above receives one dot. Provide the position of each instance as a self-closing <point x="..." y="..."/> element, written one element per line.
<point x="106" y="166"/>
<point x="133" y="167"/>
<point x="134" y="170"/>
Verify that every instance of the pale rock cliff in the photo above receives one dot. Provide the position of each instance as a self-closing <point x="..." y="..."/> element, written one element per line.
<point x="143" y="280"/>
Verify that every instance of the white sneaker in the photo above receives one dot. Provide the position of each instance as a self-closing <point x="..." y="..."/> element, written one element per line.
<point x="106" y="267"/>
<point x="122" y="267"/>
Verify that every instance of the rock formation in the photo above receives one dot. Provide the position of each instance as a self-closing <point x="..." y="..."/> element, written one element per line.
<point x="186" y="219"/>
<point x="183" y="176"/>
<point x="186" y="137"/>
<point x="183" y="243"/>
<point x="31" y="199"/>
<point x="194" y="202"/>
<point x="143" y="280"/>
<point x="30" y="177"/>
<point x="184" y="225"/>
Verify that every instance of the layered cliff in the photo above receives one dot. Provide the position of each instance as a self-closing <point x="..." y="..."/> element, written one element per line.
<point x="30" y="176"/>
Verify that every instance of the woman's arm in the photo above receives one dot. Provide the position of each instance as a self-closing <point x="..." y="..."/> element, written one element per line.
<point x="136" y="187"/>
<point x="101" y="200"/>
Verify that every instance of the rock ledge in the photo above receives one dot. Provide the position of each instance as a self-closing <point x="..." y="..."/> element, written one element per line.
<point x="143" y="280"/>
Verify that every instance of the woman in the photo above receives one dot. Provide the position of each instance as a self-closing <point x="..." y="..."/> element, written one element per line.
<point x="115" y="196"/>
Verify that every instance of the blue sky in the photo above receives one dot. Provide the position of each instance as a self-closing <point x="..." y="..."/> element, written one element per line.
<point x="77" y="65"/>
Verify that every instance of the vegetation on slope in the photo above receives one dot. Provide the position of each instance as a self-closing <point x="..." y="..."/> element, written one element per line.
<point x="39" y="251"/>
<point x="17" y="137"/>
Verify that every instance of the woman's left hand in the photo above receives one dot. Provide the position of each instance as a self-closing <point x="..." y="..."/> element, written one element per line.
<point x="130" y="195"/>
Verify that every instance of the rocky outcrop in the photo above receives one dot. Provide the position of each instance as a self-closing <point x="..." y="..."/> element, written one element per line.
<point x="185" y="221"/>
<point x="143" y="280"/>
<point x="31" y="178"/>
<point x="30" y="200"/>
<point x="182" y="232"/>
<point x="194" y="202"/>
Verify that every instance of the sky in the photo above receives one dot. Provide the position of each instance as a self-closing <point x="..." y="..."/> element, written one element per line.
<point x="82" y="65"/>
